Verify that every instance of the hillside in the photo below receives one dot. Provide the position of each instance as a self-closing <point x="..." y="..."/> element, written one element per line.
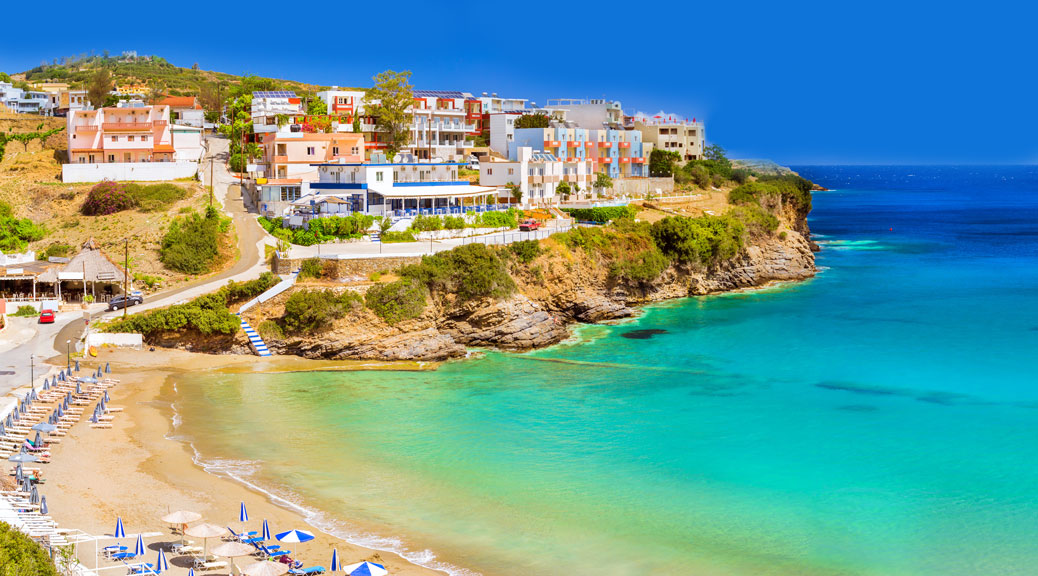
<point x="154" y="71"/>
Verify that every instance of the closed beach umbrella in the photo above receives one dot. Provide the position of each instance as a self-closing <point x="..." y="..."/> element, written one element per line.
<point x="43" y="506"/>
<point x="19" y="476"/>
<point x="243" y="514"/>
<point x="295" y="536"/>
<point x="138" y="549"/>
<point x="265" y="568"/>
<point x="16" y="415"/>
<point x="161" y="565"/>
<point x="205" y="532"/>
<point x="38" y="441"/>
<point x="119" y="532"/>
<point x="3" y="430"/>
<point x="46" y="384"/>
<point x="99" y="373"/>
<point x="108" y="369"/>
<point x="191" y="572"/>
<point x="335" y="561"/>
<point x="93" y="417"/>
<point x="106" y="397"/>
<point x="79" y="390"/>
<point x="27" y="485"/>
<point x="77" y="365"/>
<point x="366" y="569"/>
<point x="34" y="496"/>
<point x="266" y="530"/>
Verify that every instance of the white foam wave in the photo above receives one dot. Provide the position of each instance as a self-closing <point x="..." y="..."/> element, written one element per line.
<point x="243" y="471"/>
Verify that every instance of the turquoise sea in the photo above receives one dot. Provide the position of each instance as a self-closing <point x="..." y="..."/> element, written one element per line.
<point x="880" y="419"/>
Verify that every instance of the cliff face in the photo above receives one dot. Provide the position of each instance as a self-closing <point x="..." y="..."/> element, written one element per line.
<point x="558" y="288"/>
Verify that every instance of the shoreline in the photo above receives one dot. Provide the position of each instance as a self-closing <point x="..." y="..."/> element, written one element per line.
<point x="140" y="470"/>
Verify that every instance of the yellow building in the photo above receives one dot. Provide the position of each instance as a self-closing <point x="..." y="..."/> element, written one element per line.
<point x="685" y="138"/>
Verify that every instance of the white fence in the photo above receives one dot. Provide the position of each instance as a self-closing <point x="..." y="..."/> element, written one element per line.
<point x="140" y="171"/>
<point x="114" y="339"/>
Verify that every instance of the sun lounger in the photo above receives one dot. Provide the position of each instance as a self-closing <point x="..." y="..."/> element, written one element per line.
<point x="307" y="571"/>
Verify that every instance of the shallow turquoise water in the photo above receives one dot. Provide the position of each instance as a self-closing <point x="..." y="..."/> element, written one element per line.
<point x="879" y="419"/>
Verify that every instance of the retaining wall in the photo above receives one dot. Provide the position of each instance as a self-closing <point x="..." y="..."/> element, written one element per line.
<point x="139" y="171"/>
<point x="639" y="187"/>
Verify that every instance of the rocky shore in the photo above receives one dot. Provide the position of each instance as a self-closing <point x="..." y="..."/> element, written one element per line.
<point x="558" y="289"/>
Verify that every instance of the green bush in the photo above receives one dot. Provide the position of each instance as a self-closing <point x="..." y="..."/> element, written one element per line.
<point x="24" y="311"/>
<point x="645" y="266"/>
<point x="470" y="271"/>
<point x="706" y="240"/>
<point x="328" y="228"/>
<point x="526" y="250"/>
<point x="602" y="214"/>
<point x="156" y="197"/>
<point x="309" y="311"/>
<point x="15" y="233"/>
<point x="423" y="223"/>
<point x="20" y="556"/>
<point x="794" y="191"/>
<point x="149" y="282"/>
<point x="757" y="220"/>
<point x="498" y="219"/>
<point x="270" y="330"/>
<point x="453" y="222"/>
<point x="405" y="236"/>
<point x="57" y="249"/>
<point x="191" y="244"/>
<point x="311" y="268"/>
<point x="207" y="314"/>
<point x="397" y="301"/>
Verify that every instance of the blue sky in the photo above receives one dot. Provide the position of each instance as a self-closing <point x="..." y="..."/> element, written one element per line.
<point x="883" y="82"/>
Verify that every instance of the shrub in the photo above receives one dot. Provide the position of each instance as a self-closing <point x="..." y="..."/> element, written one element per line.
<point x="740" y="175"/>
<point x="148" y="281"/>
<point x="706" y="240"/>
<point x="423" y="223"/>
<point x="453" y="222"/>
<point x="757" y="220"/>
<point x="699" y="175"/>
<point x="601" y="214"/>
<point x="644" y="266"/>
<point x="397" y="301"/>
<point x="108" y="198"/>
<point x="404" y="236"/>
<point x="270" y="330"/>
<point x="310" y="268"/>
<point x="526" y="250"/>
<point x="327" y="228"/>
<point x="191" y="244"/>
<point x="470" y="271"/>
<point x="57" y="249"/>
<point x="310" y="311"/>
<point x="25" y="311"/>
<point x="500" y="219"/>
<point x="156" y="197"/>
<point x="19" y="555"/>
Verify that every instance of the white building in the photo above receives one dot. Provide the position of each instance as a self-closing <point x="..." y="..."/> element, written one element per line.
<point x="440" y="125"/>
<point x="493" y="103"/>
<point x="343" y="104"/>
<point x="593" y="114"/>
<point x="25" y="101"/>
<point x="268" y="105"/>
<point x="502" y="130"/>
<point x="538" y="175"/>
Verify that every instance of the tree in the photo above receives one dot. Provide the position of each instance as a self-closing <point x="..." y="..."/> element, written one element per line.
<point x="194" y="66"/>
<point x="516" y="191"/>
<point x="661" y="162"/>
<point x="316" y="107"/>
<point x="20" y="556"/>
<point x="563" y="190"/>
<point x="389" y="101"/>
<point x="533" y="121"/>
<point x="602" y="181"/>
<point x="715" y="153"/>
<point x="99" y="88"/>
<point x="5" y="77"/>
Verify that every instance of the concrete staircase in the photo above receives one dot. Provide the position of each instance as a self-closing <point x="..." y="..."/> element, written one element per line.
<point x="257" y="344"/>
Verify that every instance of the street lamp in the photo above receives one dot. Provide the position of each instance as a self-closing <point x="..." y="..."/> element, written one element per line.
<point x="32" y="371"/>
<point x="68" y="355"/>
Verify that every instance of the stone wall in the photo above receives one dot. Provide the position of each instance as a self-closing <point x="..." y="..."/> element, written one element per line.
<point x="638" y="187"/>
<point x="349" y="268"/>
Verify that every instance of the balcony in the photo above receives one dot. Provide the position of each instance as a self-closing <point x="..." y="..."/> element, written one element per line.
<point x="574" y="144"/>
<point x="625" y="160"/>
<point x="624" y="144"/>
<point x="638" y="160"/>
<point x="604" y="160"/>
<point x="536" y="179"/>
<point x="160" y="123"/>
<point x="85" y="128"/>
<point x="552" y="143"/>
<point x="605" y="144"/>
<point x="127" y="126"/>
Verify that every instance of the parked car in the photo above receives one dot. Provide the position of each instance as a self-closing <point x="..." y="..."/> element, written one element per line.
<point x="47" y="317"/>
<point x="529" y="224"/>
<point x="122" y="301"/>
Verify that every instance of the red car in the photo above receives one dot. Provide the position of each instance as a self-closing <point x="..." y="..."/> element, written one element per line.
<point x="47" y="317"/>
<point x="529" y="224"/>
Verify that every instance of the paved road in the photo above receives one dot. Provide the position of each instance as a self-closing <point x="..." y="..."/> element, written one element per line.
<point x="25" y="337"/>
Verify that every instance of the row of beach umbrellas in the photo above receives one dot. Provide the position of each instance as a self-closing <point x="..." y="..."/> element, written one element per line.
<point x="240" y="549"/>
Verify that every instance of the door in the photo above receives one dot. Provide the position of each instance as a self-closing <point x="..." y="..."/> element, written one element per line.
<point x="127" y="157"/>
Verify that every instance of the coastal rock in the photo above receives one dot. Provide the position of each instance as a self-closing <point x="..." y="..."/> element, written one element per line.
<point x="516" y="323"/>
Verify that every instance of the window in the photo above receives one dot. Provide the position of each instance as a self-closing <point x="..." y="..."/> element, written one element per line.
<point x="354" y="151"/>
<point x="309" y="150"/>
<point x="129" y="138"/>
<point x="144" y="138"/>
<point x="511" y="171"/>
<point x="115" y="138"/>
<point x="378" y="176"/>
<point x="335" y="150"/>
<point x="490" y="171"/>
<point x="111" y="157"/>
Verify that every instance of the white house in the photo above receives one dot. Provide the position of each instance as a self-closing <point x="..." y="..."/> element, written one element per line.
<point x="539" y="175"/>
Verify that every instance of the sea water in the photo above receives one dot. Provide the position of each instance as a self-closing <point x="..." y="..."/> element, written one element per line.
<point x="879" y="419"/>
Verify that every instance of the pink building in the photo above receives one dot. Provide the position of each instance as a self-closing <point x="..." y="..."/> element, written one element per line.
<point x="120" y="135"/>
<point x="291" y="155"/>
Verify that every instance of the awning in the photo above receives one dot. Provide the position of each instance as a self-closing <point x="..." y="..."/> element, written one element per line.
<point x="390" y="191"/>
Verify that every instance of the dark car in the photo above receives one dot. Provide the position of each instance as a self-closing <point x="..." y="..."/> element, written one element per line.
<point x="122" y="301"/>
<point x="47" y="317"/>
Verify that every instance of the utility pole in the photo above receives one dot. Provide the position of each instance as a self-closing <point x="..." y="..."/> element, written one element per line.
<point x="210" y="178"/>
<point x="126" y="278"/>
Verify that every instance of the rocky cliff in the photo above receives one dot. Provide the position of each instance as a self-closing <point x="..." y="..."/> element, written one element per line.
<point x="560" y="287"/>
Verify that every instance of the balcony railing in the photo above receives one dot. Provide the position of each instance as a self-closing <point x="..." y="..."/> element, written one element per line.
<point x="552" y="143"/>
<point x="85" y="128"/>
<point x="625" y="144"/>
<point x="127" y="126"/>
<point x="605" y="160"/>
<point x="605" y="144"/>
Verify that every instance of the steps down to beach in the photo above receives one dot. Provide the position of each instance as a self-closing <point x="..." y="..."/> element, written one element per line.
<point x="286" y="283"/>
<point x="257" y="344"/>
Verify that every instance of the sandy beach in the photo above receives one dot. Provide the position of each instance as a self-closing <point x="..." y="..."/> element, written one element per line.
<point x="132" y="470"/>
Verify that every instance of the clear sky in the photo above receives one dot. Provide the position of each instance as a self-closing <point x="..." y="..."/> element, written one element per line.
<point x="883" y="82"/>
